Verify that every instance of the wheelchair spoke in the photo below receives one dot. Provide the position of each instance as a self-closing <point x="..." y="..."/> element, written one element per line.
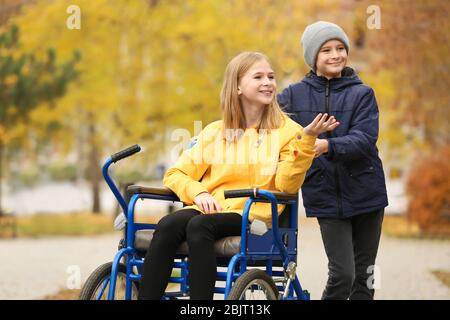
<point x="256" y="290"/>
<point x="105" y="285"/>
<point x="102" y="290"/>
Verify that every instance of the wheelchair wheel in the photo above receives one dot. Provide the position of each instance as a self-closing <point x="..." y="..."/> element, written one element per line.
<point x="254" y="284"/>
<point x="97" y="285"/>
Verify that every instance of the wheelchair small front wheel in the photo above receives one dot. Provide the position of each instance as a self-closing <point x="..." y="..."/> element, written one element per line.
<point x="254" y="284"/>
<point x="96" y="286"/>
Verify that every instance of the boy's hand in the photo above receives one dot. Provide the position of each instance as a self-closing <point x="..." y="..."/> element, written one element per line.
<point x="206" y="202"/>
<point x="320" y="124"/>
<point x="320" y="147"/>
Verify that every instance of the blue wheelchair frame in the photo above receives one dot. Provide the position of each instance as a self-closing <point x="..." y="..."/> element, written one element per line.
<point x="276" y="244"/>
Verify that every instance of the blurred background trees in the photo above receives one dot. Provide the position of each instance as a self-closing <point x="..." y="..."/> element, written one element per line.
<point x="429" y="189"/>
<point x="25" y="82"/>
<point x="413" y="58"/>
<point x="149" y="67"/>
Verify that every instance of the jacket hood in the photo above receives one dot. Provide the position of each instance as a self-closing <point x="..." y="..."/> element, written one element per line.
<point x="348" y="78"/>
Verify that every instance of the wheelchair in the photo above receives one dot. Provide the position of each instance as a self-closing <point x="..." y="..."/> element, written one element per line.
<point x="260" y="265"/>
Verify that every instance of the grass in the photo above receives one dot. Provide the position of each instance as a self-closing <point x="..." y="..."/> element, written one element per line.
<point x="72" y="224"/>
<point x="67" y="224"/>
<point x="400" y="227"/>
<point x="86" y="223"/>
<point x="66" y="294"/>
<point x="443" y="276"/>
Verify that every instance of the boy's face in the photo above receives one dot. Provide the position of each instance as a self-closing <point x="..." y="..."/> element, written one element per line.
<point x="331" y="59"/>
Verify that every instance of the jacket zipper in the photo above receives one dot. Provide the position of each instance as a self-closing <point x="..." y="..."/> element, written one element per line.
<point x="336" y="171"/>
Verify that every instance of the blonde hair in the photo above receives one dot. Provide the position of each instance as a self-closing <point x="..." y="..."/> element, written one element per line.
<point x="232" y="112"/>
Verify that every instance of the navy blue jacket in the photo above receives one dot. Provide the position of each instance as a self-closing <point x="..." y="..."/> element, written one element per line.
<point x="349" y="179"/>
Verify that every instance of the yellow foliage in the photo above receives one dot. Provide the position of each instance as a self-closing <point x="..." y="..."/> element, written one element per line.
<point x="10" y="80"/>
<point x="3" y="135"/>
<point x="147" y="67"/>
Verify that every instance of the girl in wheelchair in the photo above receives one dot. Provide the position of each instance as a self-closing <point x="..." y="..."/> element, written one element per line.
<point x="254" y="145"/>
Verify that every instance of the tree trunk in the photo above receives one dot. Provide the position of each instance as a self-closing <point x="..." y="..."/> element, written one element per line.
<point x="2" y="148"/>
<point x="94" y="167"/>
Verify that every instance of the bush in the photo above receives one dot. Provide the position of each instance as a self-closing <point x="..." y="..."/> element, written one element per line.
<point x="62" y="172"/>
<point x="126" y="177"/>
<point x="28" y="178"/>
<point x="428" y="189"/>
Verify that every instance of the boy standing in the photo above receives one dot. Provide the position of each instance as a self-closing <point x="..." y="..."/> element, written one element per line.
<point x="345" y="186"/>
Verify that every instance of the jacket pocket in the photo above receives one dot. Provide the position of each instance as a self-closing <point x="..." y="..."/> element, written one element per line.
<point x="361" y="184"/>
<point x="359" y="167"/>
<point x="354" y="173"/>
<point x="313" y="189"/>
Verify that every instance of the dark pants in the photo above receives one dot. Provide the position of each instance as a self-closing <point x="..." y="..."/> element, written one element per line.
<point x="351" y="245"/>
<point x="200" y="231"/>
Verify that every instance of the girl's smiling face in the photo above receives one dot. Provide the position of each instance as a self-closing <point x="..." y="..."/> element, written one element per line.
<point x="331" y="59"/>
<point x="258" y="85"/>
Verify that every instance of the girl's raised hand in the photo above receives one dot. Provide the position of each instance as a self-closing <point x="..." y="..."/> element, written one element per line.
<point x="320" y="124"/>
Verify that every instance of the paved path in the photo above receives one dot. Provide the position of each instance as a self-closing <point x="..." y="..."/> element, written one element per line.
<point x="404" y="266"/>
<point x="35" y="268"/>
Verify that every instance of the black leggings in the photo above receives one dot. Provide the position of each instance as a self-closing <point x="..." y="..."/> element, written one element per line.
<point x="200" y="231"/>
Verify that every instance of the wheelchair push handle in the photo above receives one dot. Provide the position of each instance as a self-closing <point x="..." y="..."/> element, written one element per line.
<point x="255" y="193"/>
<point x="125" y="153"/>
<point x="240" y="193"/>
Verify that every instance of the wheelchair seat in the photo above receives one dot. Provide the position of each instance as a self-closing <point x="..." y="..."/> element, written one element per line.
<point x="224" y="247"/>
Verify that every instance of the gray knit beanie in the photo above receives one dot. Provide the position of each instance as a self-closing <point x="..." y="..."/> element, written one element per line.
<point x="316" y="34"/>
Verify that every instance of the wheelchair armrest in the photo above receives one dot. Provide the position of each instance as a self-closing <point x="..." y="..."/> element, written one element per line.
<point x="159" y="191"/>
<point x="244" y="193"/>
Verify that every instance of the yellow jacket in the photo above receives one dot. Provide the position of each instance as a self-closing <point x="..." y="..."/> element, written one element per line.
<point x="275" y="160"/>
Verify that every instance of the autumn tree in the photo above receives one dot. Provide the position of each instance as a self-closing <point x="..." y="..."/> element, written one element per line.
<point x="413" y="45"/>
<point x="25" y="81"/>
<point x="410" y="66"/>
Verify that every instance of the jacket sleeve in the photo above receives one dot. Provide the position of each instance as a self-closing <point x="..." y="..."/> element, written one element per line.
<point x="183" y="178"/>
<point x="362" y="135"/>
<point x="284" y="100"/>
<point x="296" y="156"/>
